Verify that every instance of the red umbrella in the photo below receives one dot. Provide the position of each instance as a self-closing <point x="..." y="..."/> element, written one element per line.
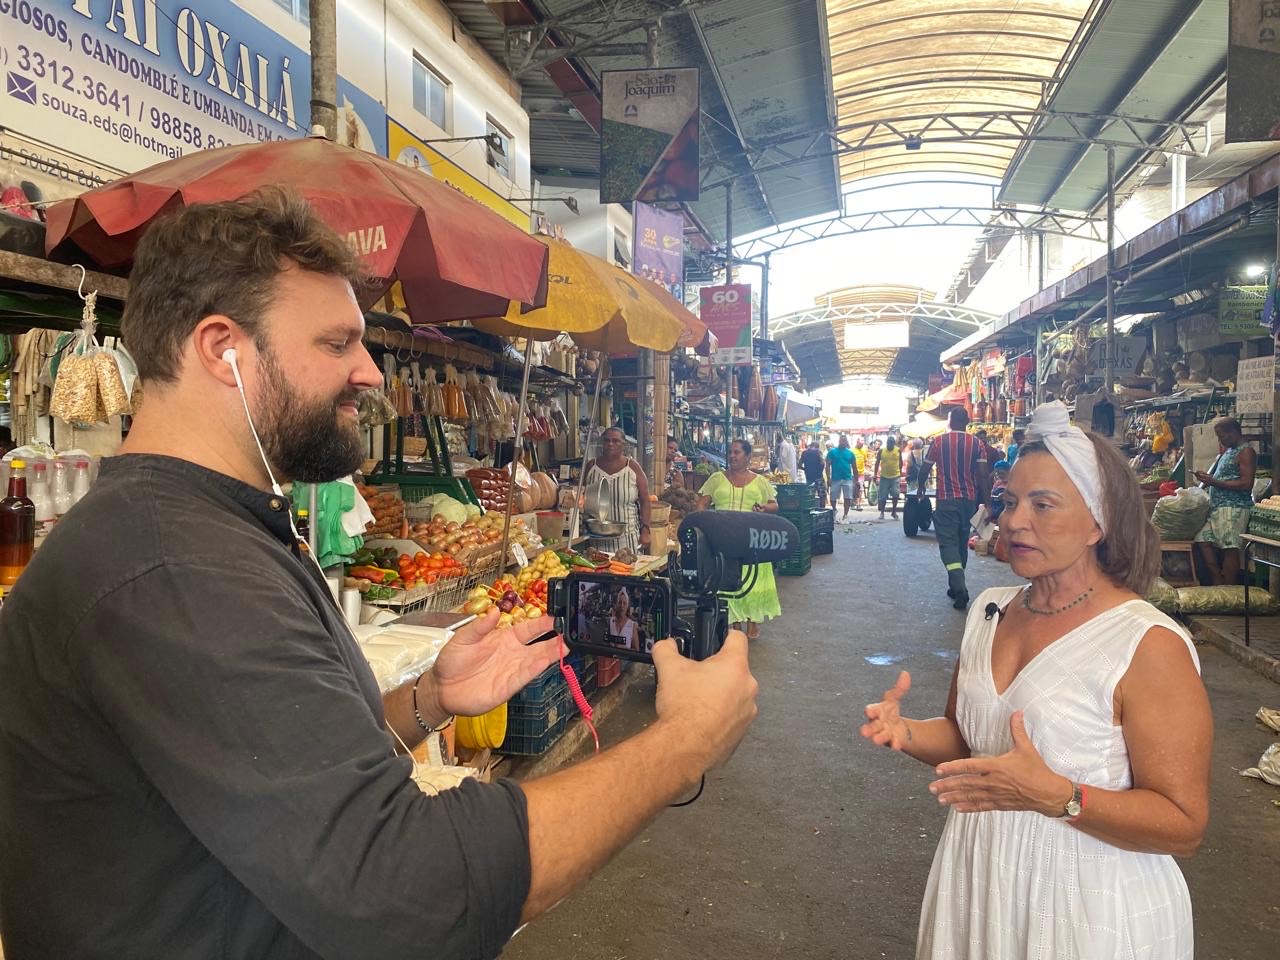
<point x="455" y="258"/>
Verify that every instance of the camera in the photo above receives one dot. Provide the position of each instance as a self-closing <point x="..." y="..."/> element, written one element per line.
<point x="623" y="617"/>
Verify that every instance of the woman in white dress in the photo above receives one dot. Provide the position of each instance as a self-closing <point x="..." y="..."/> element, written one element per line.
<point x="1073" y="754"/>
<point x="621" y="626"/>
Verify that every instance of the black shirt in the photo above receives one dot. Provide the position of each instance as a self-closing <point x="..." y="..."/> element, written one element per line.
<point x="812" y="464"/>
<point x="193" y="762"/>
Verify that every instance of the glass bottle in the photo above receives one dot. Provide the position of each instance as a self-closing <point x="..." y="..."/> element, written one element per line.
<point x="80" y="481"/>
<point x="304" y="524"/>
<point x="17" y="526"/>
<point x="40" y="494"/>
<point x="61" y="488"/>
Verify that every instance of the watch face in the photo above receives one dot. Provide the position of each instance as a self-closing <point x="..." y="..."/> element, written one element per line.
<point x="1073" y="808"/>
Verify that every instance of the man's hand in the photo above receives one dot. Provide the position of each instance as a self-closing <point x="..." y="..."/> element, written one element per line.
<point x="481" y="666"/>
<point x="712" y="701"/>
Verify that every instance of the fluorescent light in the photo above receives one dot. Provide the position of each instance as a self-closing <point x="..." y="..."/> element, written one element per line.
<point x="1254" y="270"/>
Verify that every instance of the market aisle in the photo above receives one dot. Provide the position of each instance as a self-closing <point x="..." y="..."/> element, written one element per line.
<point x="810" y="844"/>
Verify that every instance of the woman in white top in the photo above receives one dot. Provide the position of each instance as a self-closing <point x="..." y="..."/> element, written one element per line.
<point x="621" y="626"/>
<point x="624" y="493"/>
<point x="1074" y="749"/>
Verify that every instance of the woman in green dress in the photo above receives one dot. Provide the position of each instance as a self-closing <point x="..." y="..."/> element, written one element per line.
<point x="740" y="488"/>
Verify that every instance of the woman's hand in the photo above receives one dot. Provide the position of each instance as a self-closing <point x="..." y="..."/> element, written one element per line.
<point x="1017" y="780"/>
<point x="885" y="726"/>
<point x="645" y="537"/>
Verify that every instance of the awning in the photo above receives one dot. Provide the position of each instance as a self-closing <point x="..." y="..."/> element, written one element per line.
<point x="947" y="396"/>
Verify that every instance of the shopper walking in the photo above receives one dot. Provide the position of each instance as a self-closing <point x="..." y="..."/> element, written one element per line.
<point x="812" y="464"/>
<point x="841" y="463"/>
<point x="888" y="475"/>
<point x="195" y="758"/>
<point x="787" y="457"/>
<point x="741" y="488"/>
<point x="1073" y="752"/>
<point x="1016" y="439"/>
<point x="860" y="464"/>
<point x="622" y="490"/>
<point x="1230" y="483"/>
<point x="962" y="482"/>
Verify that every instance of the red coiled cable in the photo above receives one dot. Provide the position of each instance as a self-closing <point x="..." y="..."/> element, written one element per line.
<point x="580" y="698"/>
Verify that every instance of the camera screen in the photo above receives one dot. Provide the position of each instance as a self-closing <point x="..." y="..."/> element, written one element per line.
<point x="628" y="616"/>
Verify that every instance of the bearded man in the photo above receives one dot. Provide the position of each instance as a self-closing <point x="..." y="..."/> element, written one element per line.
<point x="194" y="754"/>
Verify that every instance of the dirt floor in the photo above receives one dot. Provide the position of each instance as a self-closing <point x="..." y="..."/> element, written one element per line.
<point x="811" y="844"/>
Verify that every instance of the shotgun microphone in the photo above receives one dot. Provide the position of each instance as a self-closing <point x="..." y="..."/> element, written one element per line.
<point x="748" y="538"/>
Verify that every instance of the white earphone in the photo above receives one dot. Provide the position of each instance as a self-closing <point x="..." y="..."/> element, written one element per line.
<point x="229" y="356"/>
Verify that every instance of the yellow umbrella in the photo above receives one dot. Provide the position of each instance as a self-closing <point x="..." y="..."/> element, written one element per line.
<point x="601" y="306"/>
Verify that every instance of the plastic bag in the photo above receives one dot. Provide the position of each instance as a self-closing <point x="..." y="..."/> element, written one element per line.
<point x="111" y="390"/>
<point x="1225" y="599"/>
<point x="1268" y="768"/>
<point x="1163" y="597"/>
<point x="1181" y="516"/>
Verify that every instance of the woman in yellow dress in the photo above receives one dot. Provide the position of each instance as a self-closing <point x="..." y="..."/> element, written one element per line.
<point x="740" y="488"/>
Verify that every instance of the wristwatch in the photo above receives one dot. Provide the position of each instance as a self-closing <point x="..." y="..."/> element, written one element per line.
<point x="1075" y="805"/>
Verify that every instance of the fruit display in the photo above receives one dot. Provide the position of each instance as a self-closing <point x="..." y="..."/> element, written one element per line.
<point x="491" y="487"/>
<point x="439" y="535"/>
<point x="387" y="509"/>
<point x="382" y="574"/>
<point x="522" y="597"/>
<point x="683" y="502"/>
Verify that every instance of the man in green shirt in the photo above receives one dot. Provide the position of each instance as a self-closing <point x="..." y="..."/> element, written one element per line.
<point x="840" y="477"/>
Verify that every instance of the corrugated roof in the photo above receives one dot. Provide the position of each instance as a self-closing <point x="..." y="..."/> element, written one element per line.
<point x="764" y="75"/>
<point x="816" y="338"/>
<point x="927" y="58"/>
<point x="1141" y="58"/>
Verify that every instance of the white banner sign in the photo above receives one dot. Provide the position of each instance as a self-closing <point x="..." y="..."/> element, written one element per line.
<point x="1256" y="385"/>
<point x="131" y="83"/>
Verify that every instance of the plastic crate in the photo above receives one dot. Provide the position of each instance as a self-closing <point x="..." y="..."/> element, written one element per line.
<point x="544" y="684"/>
<point x="797" y="497"/>
<point x="608" y="669"/>
<point x="824" y="521"/>
<point x="533" y="726"/>
<point x="822" y="544"/>
<point x="1264" y="522"/>
<point x="795" y="568"/>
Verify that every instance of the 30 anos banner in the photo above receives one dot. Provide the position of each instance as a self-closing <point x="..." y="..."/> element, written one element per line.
<point x="659" y="247"/>
<point x="726" y="310"/>
<point x="649" y="136"/>
<point x="131" y="83"/>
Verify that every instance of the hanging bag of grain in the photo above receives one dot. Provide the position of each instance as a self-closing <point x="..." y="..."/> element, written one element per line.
<point x="75" y="390"/>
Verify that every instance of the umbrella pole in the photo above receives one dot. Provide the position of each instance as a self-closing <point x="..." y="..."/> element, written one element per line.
<point x="586" y="452"/>
<point x="515" y="449"/>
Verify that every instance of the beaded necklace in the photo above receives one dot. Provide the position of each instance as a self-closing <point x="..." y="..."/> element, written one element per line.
<point x="1026" y="604"/>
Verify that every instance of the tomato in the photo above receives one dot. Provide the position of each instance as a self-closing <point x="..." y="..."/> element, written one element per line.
<point x="432" y="577"/>
<point x="404" y="558"/>
<point x="434" y="564"/>
<point x="419" y="556"/>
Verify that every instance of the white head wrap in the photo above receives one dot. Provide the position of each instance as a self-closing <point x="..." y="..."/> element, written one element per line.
<point x="1051" y="425"/>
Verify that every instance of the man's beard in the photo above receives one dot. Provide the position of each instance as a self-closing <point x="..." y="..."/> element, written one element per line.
<point x="306" y="440"/>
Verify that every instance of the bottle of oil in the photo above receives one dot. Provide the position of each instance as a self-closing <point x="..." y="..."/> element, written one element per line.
<point x="17" y="526"/>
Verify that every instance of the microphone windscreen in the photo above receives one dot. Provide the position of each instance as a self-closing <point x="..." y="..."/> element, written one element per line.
<point x="743" y="536"/>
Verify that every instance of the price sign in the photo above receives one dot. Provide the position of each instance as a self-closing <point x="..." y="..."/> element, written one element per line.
<point x="1255" y="385"/>
<point x="522" y="558"/>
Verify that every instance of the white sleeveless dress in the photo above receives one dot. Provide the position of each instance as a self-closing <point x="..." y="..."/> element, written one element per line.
<point x="1014" y="885"/>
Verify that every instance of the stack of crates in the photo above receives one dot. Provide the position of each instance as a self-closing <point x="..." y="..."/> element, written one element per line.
<point x="538" y="715"/>
<point x="824" y="527"/>
<point x="796" y="502"/>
